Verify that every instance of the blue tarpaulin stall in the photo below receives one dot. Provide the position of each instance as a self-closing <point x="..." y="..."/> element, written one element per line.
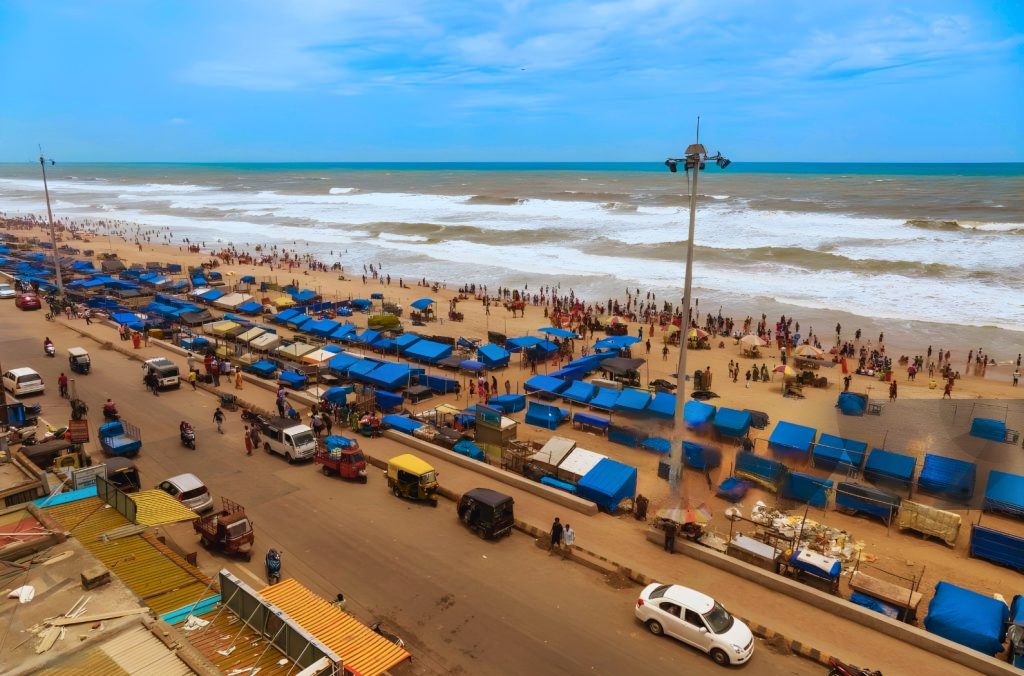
<point x="360" y="369"/>
<point x="337" y="395"/>
<point x="947" y="476"/>
<point x="439" y="384"/>
<point x="627" y="436"/>
<point x="788" y="437"/>
<point x="591" y="420"/>
<point x="282" y="317"/>
<point x="615" y="342"/>
<point x="1004" y="493"/>
<point x="605" y="398"/>
<point x="542" y="415"/>
<point x="697" y="414"/>
<point x="367" y="337"/>
<point x="806" y="488"/>
<point x="262" y="368"/>
<point x="508" y="403"/>
<point x="339" y="365"/>
<point x="852" y="403"/>
<point x="608" y="484"/>
<point x="522" y="342"/>
<point x="422" y="303"/>
<point x="632" y="401"/>
<point x="321" y="327"/>
<point x="589" y="363"/>
<point x="493" y="356"/>
<point x="211" y="295"/>
<point x="405" y="340"/>
<point x="401" y="423"/>
<point x="291" y="379"/>
<point x="304" y="296"/>
<point x="855" y="497"/>
<point x="471" y="365"/>
<point x="560" y="485"/>
<point x="557" y="332"/>
<point x="250" y="307"/>
<point x="390" y="376"/>
<point x="343" y="332"/>
<point x="988" y="428"/>
<point x="730" y="422"/>
<point x="968" y="618"/>
<point x="701" y="457"/>
<point x="663" y="405"/>
<point x="996" y="546"/>
<point x="428" y="351"/>
<point x="765" y="471"/>
<point x="469" y="449"/>
<point x="832" y="451"/>
<point x="580" y="392"/>
<point x="388" y="401"/>
<point x="889" y="466"/>
<point x="542" y="383"/>
<point x="129" y="319"/>
<point x="299" y="322"/>
<point x="656" y="444"/>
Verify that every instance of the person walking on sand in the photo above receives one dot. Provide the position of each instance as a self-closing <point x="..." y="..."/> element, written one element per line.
<point x="508" y="387"/>
<point x="238" y="379"/>
<point x="1016" y="376"/>
<point x="892" y="391"/>
<point x="193" y="377"/>
<point x="218" y="420"/>
<point x="556" y="534"/>
<point x="568" y="539"/>
<point x="248" y="441"/>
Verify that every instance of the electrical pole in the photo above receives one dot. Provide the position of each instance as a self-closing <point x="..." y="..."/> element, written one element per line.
<point x="53" y="232"/>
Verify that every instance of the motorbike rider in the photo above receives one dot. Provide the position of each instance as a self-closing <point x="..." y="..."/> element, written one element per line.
<point x="184" y="428"/>
<point x="47" y="345"/>
<point x="110" y="409"/>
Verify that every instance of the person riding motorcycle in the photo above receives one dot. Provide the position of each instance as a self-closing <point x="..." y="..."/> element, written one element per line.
<point x="110" y="409"/>
<point x="184" y="427"/>
<point x="48" y="346"/>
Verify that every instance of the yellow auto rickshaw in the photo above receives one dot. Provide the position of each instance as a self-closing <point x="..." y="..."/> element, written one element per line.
<point x="410" y="477"/>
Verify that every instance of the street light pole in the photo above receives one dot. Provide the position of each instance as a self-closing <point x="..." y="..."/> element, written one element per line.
<point x="53" y="232"/>
<point x="694" y="159"/>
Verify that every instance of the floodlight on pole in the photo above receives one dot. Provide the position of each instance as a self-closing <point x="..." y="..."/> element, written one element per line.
<point x="695" y="158"/>
<point x="53" y="232"/>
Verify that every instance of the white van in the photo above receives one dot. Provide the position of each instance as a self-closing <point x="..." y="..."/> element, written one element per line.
<point x="21" y="381"/>
<point x="166" y="371"/>
<point x="286" y="437"/>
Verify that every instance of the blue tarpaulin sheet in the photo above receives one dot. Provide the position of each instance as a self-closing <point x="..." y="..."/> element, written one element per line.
<point x="336" y="395"/>
<point x="291" y="379"/>
<point x="401" y="423"/>
<point x="560" y="485"/>
<point x="1005" y="493"/>
<point x="522" y="342"/>
<point x="367" y="337"/>
<point x="948" y="476"/>
<point x="249" y="307"/>
<point x="570" y="373"/>
<point x="508" y="403"/>
<point x="763" y="470"/>
<point x="343" y="332"/>
<point x="968" y="618"/>
<point x="832" y="451"/>
<point x="494" y="356"/>
<point x="341" y="363"/>
<point x="390" y="376"/>
<point x="701" y="457"/>
<point x="263" y="368"/>
<point x="889" y="466"/>
<point x="852" y="403"/>
<point x="605" y="398"/>
<point x="304" y="296"/>
<point x="439" y="384"/>
<point x="428" y="351"/>
<point x="730" y="422"/>
<point x="788" y="437"/>
<point x="321" y="327"/>
<point x="298" y="322"/>
<point x="632" y="400"/>
<point x="663" y="405"/>
<point x="580" y="392"/>
<point x="469" y="449"/>
<point x="361" y="368"/>
<point x="608" y="483"/>
<point x="405" y="340"/>
<point x="472" y="365"/>
<point x="697" y="413"/>
<point x="542" y="415"/>
<point x="387" y="400"/>
<point x="542" y="383"/>
<point x="656" y="444"/>
<point x="996" y="546"/>
<point x="867" y="499"/>
<point x="615" y="342"/>
<point x="591" y="420"/>
<point x="557" y="332"/>
<point x="590" y="362"/>
<point x="875" y="605"/>
<point x="988" y="428"/>
<point x="282" y="317"/>
<point x="807" y="488"/>
<point x="422" y="303"/>
<point x="212" y="294"/>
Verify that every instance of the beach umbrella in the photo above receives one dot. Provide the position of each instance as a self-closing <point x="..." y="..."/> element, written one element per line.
<point x="753" y="341"/>
<point x="809" y="351"/>
<point x="557" y="332"/>
<point x="700" y="514"/>
<point x="422" y="303"/>
<point x="696" y="333"/>
<point x="786" y="371"/>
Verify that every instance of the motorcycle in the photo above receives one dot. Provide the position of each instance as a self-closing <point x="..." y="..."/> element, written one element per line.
<point x="273" y="564"/>
<point x="49" y="349"/>
<point x="388" y="635"/>
<point x="188" y="438"/>
<point x="839" y="668"/>
<point x="110" y="413"/>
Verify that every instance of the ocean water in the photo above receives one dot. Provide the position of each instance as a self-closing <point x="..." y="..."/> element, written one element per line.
<point x="933" y="243"/>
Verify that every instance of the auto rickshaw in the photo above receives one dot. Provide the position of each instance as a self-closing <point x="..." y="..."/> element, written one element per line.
<point x="488" y="512"/>
<point x="410" y="477"/>
<point x="122" y="473"/>
<point x="79" y="360"/>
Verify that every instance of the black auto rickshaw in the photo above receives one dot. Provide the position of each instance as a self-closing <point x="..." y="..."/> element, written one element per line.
<point x="487" y="512"/>
<point x="410" y="477"/>
<point x="122" y="473"/>
<point x="79" y="360"/>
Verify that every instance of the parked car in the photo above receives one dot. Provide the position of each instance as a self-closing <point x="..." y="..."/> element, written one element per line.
<point x="696" y="619"/>
<point x="27" y="301"/>
<point x="21" y="381"/>
<point x="7" y="291"/>
<point x="189" y="491"/>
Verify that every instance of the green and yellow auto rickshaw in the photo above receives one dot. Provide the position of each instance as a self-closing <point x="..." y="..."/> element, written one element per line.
<point x="410" y="477"/>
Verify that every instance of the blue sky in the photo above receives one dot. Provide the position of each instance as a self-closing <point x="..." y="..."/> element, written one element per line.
<point x="365" y="80"/>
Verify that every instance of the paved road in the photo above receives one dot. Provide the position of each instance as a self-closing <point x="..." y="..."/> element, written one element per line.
<point x="464" y="605"/>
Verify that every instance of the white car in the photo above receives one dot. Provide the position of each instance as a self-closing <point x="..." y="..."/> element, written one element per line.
<point x="189" y="491"/>
<point x="7" y="291"/>
<point x="697" y="619"/>
<point x="22" y="381"/>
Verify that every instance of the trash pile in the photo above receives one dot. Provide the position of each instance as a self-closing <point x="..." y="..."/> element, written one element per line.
<point x="814" y="536"/>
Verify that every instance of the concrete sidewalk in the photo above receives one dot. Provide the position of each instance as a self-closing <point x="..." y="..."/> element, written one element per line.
<point x="620" y="543"/>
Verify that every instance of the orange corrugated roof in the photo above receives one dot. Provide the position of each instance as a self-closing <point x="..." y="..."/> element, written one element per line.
<point x="362" y="650"/>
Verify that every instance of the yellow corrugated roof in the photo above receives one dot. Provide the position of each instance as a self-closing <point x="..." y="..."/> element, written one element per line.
<point x="411" y="463"/>
<point x="156" y="508"/>
<point x="362" y="650"/>
<point x="132" y="653"/>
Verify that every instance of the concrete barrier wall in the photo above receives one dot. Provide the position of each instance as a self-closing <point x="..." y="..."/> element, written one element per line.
<point x="840" y="607"/>
<point x="554" y="495"/>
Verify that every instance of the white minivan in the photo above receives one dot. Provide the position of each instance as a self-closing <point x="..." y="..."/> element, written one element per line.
<point x="21" y="381"/>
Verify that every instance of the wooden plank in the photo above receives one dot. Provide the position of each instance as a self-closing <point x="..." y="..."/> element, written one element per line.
<point x="112" y="615"/>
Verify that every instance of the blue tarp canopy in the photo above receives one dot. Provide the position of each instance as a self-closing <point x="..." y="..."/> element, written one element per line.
<point x="428" y="351"/>
<point x="128" y="318"/>
<point x="249" y="307"/>
<point x="557" y="332"/>
<point x="788" y="437"/>
<point x="605" y="398"/>
<point x="212" y="294"/>
<point x="336" y="395"/>
<point x="440" y="384"/>
<point x="852" y="403"/>
<point x="401" y="423"/>
<point x="304" y="296"/>
<point x="968" y="618"/>
<point x="889" y="466"/>
<point x="632" y="400"/>
<point x="341" y="363"/>
<point x="362" y="368"/>
<point x="248" y="279"/>
<point x="699" y="456"/>
<point x="421" y="303"/>
<point x="949" y="476"/>
<point x="405" y="340"/>
<point x="494" y="356"/>
<point x="469" y="449"/>
<point x="1005" y="493"/>
<point x="608" y="484"/>
<point x="321" y="327"/>
<point x="832" y="451"/>
<point x="292" y="379"/>
<point x="760" y="469"/>
<point x="522" y="342"/>
<point x="589" y="363"/>
<point x="299" y="321"/>
<point x="543" y="383"/>
<point x="387" y="401"/>
<point x="731" y="422"/>
<point x="867" y="499"/>
<point x="472" y="365"/>
<point x="389" y="376"/>
<point x="615" y="342"/>
<point x="508" y="403"/>
<point x="282" y="317"/>
<point x="361" y="303"/>
<point x="542" y="415"/>
<point x="580" y="392"/>
<point x="198" y="280"/>
<point x="664" y="404"/>
<point x="367" y="337"/>
<point x="569" y="374"/>
<point x="343" y="331"/>
<point x="697" y="413"/>
<point x="543" y="346"/>
<point x="988" y="428"/>
<point x="807" y="488"/>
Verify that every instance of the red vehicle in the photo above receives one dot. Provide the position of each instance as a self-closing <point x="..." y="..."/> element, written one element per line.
<point x="27" y="301"/>
<point x="340" y="455"/>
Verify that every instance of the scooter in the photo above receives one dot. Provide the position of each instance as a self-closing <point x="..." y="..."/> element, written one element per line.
<point x="842" y="669"/>
<point x="388" y="635"/>
<point x="50" y="349"/>
<point x="273" y="564"/>
<point x="188" y="438"/>
<point x="111" y="414"/>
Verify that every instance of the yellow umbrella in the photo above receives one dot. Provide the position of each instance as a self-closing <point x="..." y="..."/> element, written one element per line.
<point x="786" y="371"/>
<point x="696" y="333"/>
<point x="752" y="340"/>
<point x="809" y="351"/>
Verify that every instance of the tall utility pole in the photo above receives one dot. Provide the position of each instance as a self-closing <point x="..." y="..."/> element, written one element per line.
<point x="53" y="232"/>
<point x="694" y="158"/>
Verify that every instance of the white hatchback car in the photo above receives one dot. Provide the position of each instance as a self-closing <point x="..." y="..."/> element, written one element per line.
<point x="7" y="291"/>
<point x="22" y="381"/>
<point x="697" y="619"/>
<point x="189" y="491"/>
